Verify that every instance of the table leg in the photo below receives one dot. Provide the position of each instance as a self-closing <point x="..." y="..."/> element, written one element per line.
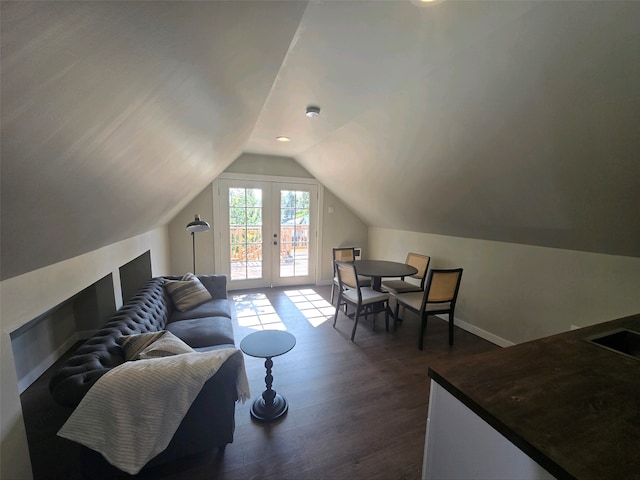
<point x="271" y="405"/>
<point x="376" y="284"/>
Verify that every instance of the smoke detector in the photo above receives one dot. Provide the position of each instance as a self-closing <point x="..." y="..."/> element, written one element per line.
<point x="313" y="111"/>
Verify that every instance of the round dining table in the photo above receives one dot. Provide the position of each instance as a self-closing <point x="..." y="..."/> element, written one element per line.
<point x="378" y="269"/>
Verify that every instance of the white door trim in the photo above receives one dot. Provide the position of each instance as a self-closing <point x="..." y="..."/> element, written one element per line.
<point x="218" y="214"/>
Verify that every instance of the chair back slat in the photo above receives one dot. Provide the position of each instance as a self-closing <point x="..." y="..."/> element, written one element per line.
<point x="347" y="274"/>
<point x="344" y="254"/>
<point x="421" y="262"/>
<point x="443" y="285"/>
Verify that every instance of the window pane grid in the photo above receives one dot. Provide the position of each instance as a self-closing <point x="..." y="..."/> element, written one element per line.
<point x="294" y="233"/>
<point x="245" y="233"/>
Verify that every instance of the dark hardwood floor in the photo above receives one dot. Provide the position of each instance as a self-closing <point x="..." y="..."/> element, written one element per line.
<point x="356" y="410"/>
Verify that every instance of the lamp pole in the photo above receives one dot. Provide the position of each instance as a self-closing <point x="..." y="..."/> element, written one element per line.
<point x="193" y="241"/>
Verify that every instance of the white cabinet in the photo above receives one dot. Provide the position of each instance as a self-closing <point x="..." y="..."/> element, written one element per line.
<point x="460" y="445"/>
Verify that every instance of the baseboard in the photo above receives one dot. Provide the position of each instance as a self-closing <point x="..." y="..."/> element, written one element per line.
<point x="488" y="336"/>
<point x="26" y="381"/>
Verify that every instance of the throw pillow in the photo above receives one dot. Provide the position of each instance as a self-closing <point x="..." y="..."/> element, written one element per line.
<point x="134" y="344"/>
<point x="187" y="294"/>
<point x="165" y="346"/>
<point x="152" y="345"/>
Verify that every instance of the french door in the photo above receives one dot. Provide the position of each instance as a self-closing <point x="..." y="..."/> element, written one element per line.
<point x="269" y="232"/>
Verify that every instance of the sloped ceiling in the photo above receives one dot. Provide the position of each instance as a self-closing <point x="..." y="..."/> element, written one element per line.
<point x="510" y="121"/>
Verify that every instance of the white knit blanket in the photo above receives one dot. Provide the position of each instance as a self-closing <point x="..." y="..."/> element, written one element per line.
<point x="131" y="413"/>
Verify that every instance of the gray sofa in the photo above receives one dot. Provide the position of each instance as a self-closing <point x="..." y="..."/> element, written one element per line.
<point x="210" y="421"/>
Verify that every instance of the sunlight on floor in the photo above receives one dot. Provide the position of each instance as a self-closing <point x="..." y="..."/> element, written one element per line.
<point x="314" y="308"/>
<point x="254" y="310"/>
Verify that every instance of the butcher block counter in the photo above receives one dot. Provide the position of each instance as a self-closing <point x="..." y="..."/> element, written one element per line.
<point x="569" y="404"/>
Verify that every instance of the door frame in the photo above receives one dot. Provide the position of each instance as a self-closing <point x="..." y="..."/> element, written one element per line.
<point x="218" y="214"/>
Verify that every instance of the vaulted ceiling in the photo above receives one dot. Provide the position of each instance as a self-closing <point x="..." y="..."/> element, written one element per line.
<point x="508" y="121"/>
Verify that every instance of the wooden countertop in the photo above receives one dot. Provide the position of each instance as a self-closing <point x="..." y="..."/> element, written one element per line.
<point x="572" y="406"/>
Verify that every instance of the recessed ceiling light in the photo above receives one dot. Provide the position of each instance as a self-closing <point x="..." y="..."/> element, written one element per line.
<point x="313" y="111"/>
<point x="283" y="139"/>
<point x="426" y="2"/>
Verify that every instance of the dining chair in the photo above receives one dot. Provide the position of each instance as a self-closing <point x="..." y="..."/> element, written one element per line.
<point x="421" y="263"/>
<point x="345" y="254"/>
<point x="350" y="291"/>
<point x="439" y="296"/>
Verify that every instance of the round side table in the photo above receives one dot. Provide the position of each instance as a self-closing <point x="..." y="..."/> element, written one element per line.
<point x="268" y="344"/>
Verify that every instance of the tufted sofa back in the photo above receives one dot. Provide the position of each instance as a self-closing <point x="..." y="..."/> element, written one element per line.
<point x="147" y="311"/>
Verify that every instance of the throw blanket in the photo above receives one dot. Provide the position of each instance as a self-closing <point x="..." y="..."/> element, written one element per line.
<point x="131" y="413"/>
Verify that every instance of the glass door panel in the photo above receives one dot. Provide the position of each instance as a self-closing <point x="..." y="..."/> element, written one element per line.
<point x="294" y="233"/>
<point x="245" y="233"/>
<point x="296" y="210"/>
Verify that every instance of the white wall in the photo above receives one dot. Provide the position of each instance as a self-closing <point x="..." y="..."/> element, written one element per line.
<point x="28" y="296"/>
<point x="341" y="228"/>
<point x="520" y="292"/>
<point x="182" y="243"/>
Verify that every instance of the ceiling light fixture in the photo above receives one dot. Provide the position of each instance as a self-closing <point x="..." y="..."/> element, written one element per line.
<point x="283" y="139"/>
<point x="313" y="111"/>
<point x="421" y="3"/>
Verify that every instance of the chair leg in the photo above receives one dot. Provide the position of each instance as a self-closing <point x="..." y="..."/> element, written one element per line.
<point x="335" y="317"/>
<point x="450" y="328"/>
<point x="333" y="290"/>
<point x="374" y="317"/>
<point x="386" y="316"/>
<point x="355" y="324"/>
<point x="423" y="329"/>
<point x="395" y="316"/>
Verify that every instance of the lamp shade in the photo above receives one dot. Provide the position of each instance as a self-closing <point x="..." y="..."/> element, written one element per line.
<point x="198" y="225"/>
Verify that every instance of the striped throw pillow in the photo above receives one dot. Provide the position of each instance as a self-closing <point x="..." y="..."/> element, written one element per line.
<point x="134" y="344"/>
<point x="165" y="346"/>
<point x="187" y="294"/>
<point x="152" y="345"/>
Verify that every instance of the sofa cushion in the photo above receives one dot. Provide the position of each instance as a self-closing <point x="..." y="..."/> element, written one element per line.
<point x="203" y="332"/>
<point x="216" y="284"/>
<point x="212" y="308"/>
<point x="187" y="294"/>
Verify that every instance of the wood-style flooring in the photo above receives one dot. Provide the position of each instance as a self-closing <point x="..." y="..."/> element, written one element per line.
<point x="356" y="410"/>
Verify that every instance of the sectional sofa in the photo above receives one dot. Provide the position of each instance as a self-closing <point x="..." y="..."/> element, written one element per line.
<point x="202" y="320"/>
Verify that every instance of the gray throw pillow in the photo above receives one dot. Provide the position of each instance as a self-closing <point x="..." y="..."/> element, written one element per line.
<point x="187" y="294"/>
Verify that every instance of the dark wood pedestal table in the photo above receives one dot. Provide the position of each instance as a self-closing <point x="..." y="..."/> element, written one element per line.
<point x="268" y="344"/>
<point x="377" y="269"/>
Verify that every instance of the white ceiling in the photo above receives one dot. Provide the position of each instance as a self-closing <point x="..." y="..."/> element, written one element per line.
<point x="510" y="121"/>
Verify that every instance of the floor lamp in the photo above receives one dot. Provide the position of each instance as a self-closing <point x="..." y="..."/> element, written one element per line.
<point x="196" y="226"/>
